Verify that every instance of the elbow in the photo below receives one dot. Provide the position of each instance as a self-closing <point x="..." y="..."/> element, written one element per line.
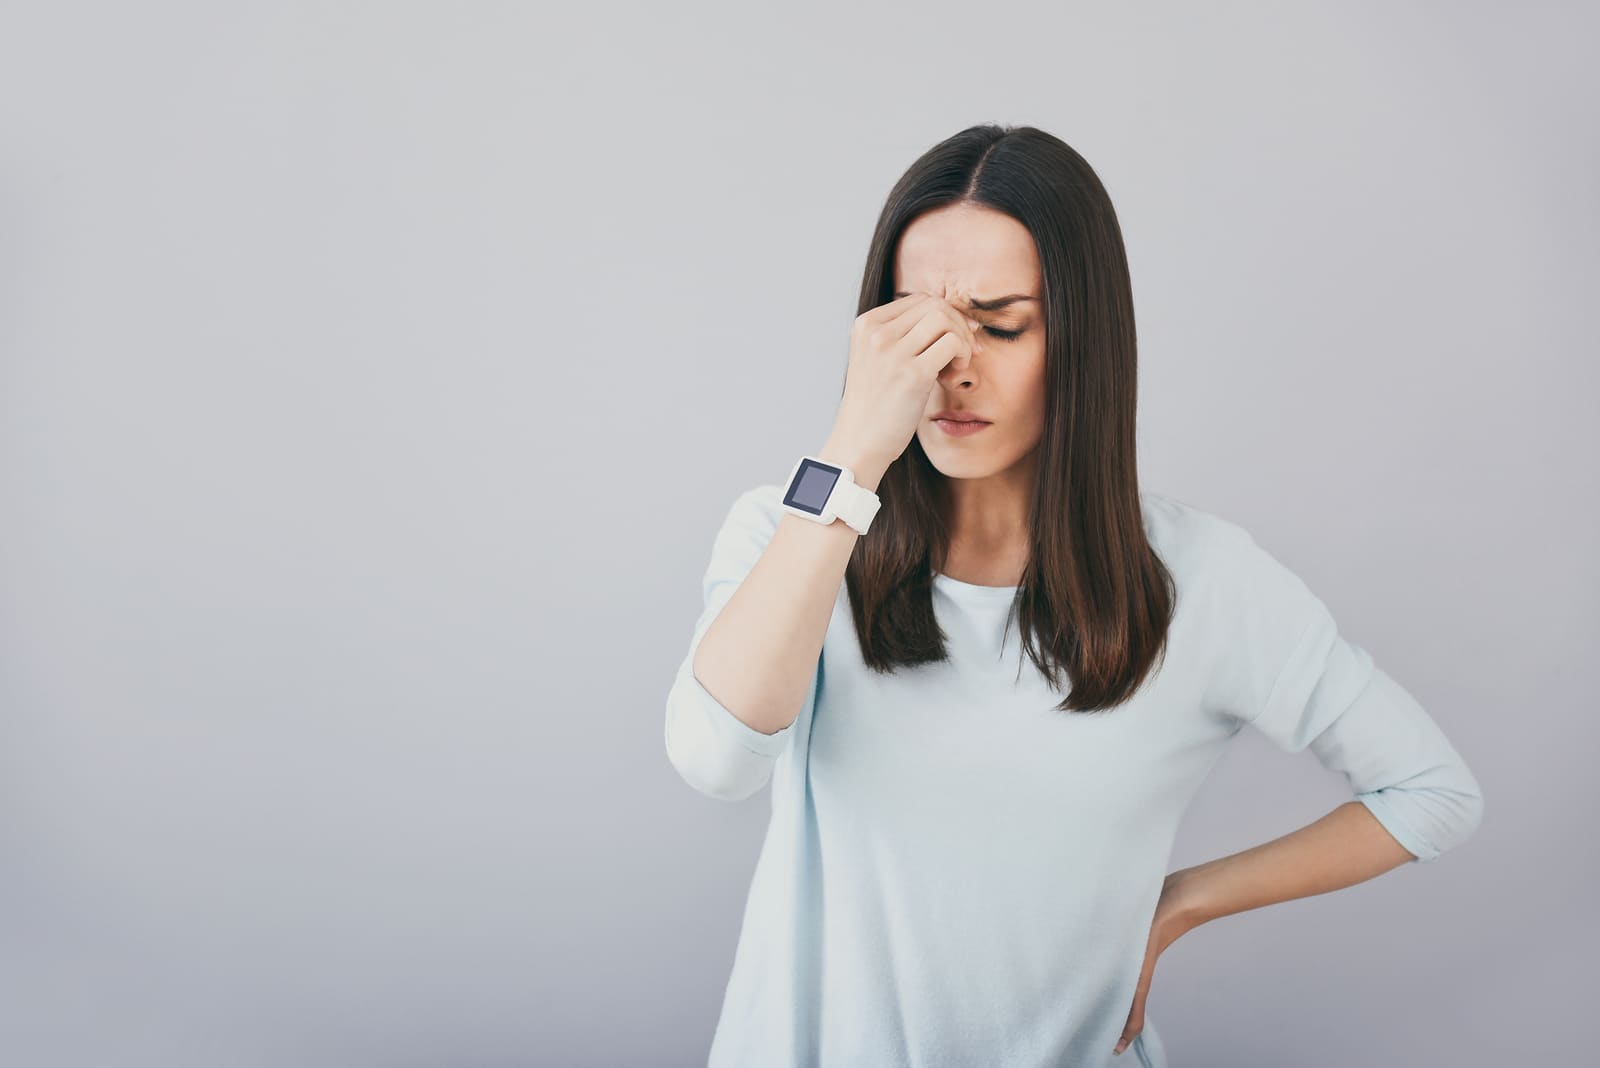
<point x="698" y="746"/>
<point x="720" y="790"/>
<point x="711" y="748"/>
<point x="1466" y="808"/>
<point x="1429" y="821"/>
<point x="707" y="775"/>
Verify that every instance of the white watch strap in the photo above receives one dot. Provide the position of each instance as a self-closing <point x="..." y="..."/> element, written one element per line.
<point x="854" y="503"/>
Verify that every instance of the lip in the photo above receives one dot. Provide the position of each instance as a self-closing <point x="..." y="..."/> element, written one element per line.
<point x="958" y="415"/>
<point x="960" y="428"/>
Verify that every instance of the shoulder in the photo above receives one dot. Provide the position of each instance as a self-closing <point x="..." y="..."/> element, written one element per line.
<point x="1220" y="556"/>
<point x="767" y="496"/>
<point x="1244" y="579"/>
<point x="1190" y="540"/>
<point x="760" y="506"/>
<point x="747" y="527"/>
<point x="753" y="515"/>
<point x="1209" y="539"/>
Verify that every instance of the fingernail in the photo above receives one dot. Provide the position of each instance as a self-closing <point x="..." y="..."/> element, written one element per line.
<point x="1118" y="1049"/>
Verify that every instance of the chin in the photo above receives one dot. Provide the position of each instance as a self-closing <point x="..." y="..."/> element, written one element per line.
<point x="954" y="461"/>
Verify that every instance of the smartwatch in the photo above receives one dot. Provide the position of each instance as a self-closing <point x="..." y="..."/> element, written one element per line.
<point x="823" y="492"/>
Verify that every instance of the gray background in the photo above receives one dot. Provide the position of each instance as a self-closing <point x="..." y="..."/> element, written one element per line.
<point x="375" y="377"/>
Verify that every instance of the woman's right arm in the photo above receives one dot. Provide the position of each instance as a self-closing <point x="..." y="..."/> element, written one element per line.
<point x="774" y="577"/>
<point x="751" y="667"/>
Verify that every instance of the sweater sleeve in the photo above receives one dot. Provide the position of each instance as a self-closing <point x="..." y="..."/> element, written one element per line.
<point x="1288" y="673"/>
<point x="714" y="750"/>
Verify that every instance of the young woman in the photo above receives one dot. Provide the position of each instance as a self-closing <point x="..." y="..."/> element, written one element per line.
<point x="965" y="863"/>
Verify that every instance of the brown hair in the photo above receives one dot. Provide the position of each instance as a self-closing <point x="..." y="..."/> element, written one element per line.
<point x="1095" y="601"/>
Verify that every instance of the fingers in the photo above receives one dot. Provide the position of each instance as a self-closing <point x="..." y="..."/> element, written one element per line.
<point x="918" y="307"/>
<point x="947" y="346"/>
<point x="1134" y="1025"/>
<point x="885" y="312"/>
<point x="898" y="316"/>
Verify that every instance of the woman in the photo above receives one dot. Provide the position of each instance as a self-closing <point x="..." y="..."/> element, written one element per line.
<point x="966" y="855"/>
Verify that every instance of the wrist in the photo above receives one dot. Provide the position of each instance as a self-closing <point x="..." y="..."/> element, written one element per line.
<point x="867" y="469"/>
<point x="1183" y="899"/>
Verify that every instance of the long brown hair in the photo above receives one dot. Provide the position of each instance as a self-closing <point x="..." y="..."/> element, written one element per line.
<point x="1095" y="601"/>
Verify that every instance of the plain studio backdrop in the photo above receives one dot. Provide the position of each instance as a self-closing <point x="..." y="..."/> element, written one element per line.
<point x="375" y="378"/>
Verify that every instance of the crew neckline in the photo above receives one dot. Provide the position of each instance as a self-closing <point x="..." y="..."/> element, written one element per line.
<point x="940" y="578"/>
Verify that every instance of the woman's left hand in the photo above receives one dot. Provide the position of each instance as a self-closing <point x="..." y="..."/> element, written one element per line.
<point x="1172" y="919"/>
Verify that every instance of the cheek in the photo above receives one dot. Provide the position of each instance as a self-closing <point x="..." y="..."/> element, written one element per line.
<point x="1026" y="389"/>
<point x="1026" y="383"/>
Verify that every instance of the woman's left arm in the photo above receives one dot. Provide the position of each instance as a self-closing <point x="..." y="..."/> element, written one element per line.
<point x="1345" y="847"/>
<point x="1287" y="672"/>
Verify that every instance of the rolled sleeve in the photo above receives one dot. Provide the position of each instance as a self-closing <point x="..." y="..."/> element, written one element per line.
<point x="714" y="750"/>
<point x="1304" y="686"/>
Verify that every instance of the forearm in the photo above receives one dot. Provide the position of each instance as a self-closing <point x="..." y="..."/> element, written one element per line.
<point x="1345" y="847"/>
<point x="758" y="656"/>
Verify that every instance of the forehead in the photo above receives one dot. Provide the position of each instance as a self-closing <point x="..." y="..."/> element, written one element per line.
<point x="967" y="250"/>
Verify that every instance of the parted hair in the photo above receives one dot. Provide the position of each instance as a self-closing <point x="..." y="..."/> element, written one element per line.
<point x="1095" y="601"/>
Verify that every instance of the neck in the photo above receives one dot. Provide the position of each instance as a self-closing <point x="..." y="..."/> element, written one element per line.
<point x="988" y="527"/>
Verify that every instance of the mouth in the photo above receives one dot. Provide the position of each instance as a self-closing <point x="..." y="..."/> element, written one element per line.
<point x="960" y="427"/>
<point x="950" y="415"/>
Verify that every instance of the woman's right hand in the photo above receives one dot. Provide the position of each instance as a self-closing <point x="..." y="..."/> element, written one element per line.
<point x="896" y="353"/>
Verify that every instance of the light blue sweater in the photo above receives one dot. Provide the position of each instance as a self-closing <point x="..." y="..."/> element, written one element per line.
<point x="956" y="874"/>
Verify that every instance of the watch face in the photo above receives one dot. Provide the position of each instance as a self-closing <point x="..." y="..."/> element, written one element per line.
<point x="809" y="489"/>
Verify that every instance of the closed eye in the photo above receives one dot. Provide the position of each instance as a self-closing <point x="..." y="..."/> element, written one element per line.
<point x="1004" y="335"/>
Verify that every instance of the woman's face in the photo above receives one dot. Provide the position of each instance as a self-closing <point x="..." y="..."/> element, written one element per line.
<point x="965" y="253"/>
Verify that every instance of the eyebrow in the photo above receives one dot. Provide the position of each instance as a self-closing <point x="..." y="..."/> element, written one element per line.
<point x="992" y="304"/>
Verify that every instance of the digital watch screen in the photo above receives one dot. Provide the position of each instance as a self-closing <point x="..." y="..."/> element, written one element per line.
<point x="811" y="485"/>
